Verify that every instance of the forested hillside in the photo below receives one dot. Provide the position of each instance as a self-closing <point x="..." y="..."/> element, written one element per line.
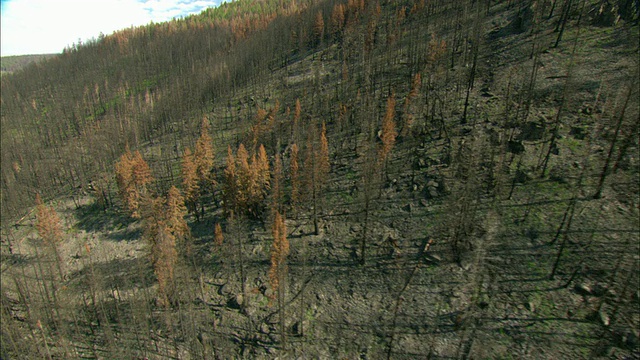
<point x="10" y="64"/>
<point x="329" y="179"/>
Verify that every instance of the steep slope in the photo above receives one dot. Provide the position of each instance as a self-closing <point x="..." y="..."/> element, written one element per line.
<point x="503" y="223"/>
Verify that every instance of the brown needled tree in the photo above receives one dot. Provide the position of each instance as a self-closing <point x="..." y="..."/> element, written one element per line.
<point x="263" y="173"/>
<point x="337" y="19"/>
<point x="230" y="183"/>
<point x="49" y="228"/>
<point x="165" y="257"/>
<point x="218" y="237"/>
<point x="244" y="180"/>
<point x="133" y="174"/>
<point x="176" y="223"/>
<point x="296" y="121"/>
<point x="247" y="181"/>
<point x="318" y="27"/>
<point x="323" y="157"/>
<point x="190" y="181"/>
<point x="204" y="160"/>
<point x="162" y="248"/>
<point x="166" y="231"/>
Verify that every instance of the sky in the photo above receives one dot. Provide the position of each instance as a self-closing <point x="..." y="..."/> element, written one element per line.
<point x="48" y="26"/>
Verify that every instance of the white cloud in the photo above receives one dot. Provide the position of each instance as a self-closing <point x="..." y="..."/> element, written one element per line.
<point x="46" y="26"/>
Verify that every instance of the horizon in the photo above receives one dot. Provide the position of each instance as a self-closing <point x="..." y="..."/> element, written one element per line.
<point x="41" y="27"/>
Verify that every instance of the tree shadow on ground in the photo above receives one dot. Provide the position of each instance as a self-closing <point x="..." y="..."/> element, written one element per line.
<point x="123" y="274"/>
<point x="92" y="218"/>
<point x="16" y="259"/>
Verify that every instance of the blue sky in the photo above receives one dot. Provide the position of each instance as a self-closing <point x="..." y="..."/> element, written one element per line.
<point x="48" y="26"/>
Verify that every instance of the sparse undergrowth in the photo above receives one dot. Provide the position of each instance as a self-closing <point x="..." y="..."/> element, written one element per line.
<point x="483" y="238"/>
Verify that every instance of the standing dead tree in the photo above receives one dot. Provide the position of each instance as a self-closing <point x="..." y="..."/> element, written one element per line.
<point x="278" y="270"/>
<point x="49" y="227"/>
<point x="133" y="174"/>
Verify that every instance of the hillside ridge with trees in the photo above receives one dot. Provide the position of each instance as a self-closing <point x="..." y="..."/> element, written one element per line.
<point x="329" y="179"/>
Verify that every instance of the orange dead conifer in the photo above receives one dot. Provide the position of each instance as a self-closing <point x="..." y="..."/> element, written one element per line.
<point x="297" y="113"/>
<point x="162" y="245"/>
<point x="323" y="156"/>
<point x="271" y="116"/>
<point x="296" y="119"/>
<point x="247" y="181"/>
<point x="218" y="237"/>
<point x="166" y="257"/>
<point x="133" y="174"/>
<point x="141" y="177"/>
<point x="279" y="252"/>
<point x="436" y="49"/>
<point x="175" y="218"/>
<point x="230" y="177"/>
<point x="49" y="227"/>
<point x="152" y="216"/>
<point x="263" y="172"/>
<point x="318" y="27"/>
<point x="244" y="177"/>
<point x="204" y="156"/>
<point x="415" y="85"/>
<point x="263" y="123"/>
<point x="337" y="19"/>
<point x="164" y="229"/>
<point x="388" y="131"/>
<point x="48" y="223"/>
<point x="141" y="170"/>
<point x="258" y="127"/>
<point x="251" y="191"/>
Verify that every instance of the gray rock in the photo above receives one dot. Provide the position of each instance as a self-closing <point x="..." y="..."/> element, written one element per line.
<point x="583" y="289"/>
<point x="258" y="250"/>
<point x="432" y="258"/>
<point x="530" y="306"/>
<point x="264" y="328"/>
<point x="466" y="265"/>
<point x="268" y="292"/>
<point x="604" y="318"/>
<point x="225" y="289"/>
